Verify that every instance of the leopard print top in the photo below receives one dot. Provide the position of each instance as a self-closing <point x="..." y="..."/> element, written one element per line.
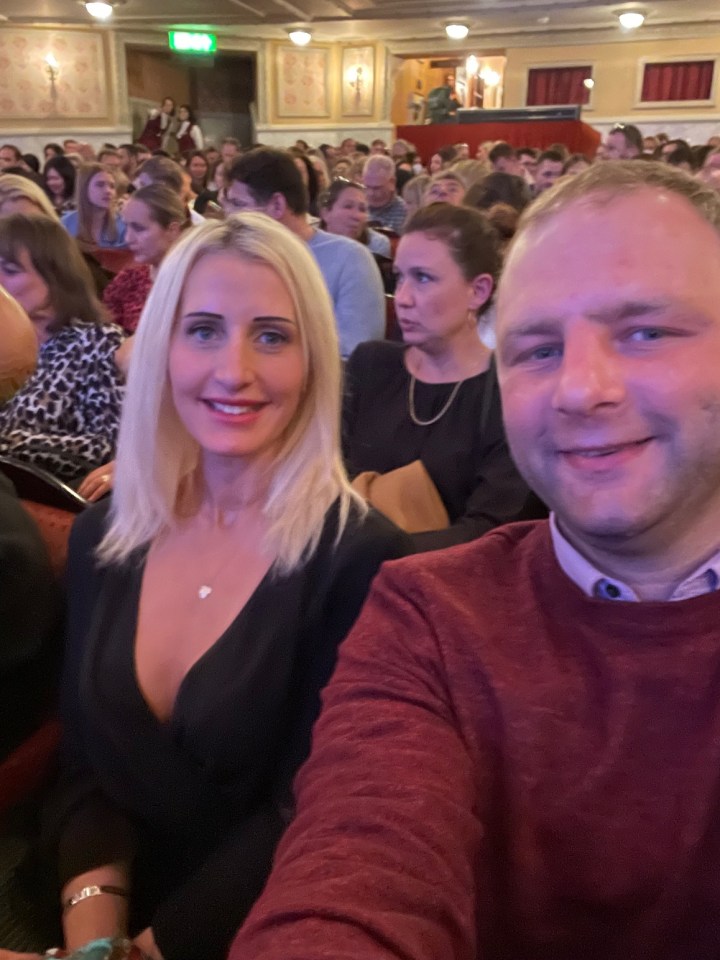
<point x="65" y="417"/>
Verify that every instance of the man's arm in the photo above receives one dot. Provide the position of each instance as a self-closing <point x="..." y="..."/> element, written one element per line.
<point x="358" y="300"/>
<point x="381" y="859"/>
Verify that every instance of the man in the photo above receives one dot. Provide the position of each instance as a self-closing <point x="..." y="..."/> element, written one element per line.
<point x="230" y="150"/>
<point x="378" y="146"/>
<point x="518" y="753"/>
<point x="348" y="146"/>
<point x="212" y="154"/>
<point x="504" y="159"/>
<point x="10" y="156"/>
<point x="128" y="154"/>
<point x="462" y="151"/>
<point x="624" y="142"/>
<point x="385" y="207"/>
<point x="548" y="171"/>
<point x="528" y="159"/>
<point x="268" y="180"/>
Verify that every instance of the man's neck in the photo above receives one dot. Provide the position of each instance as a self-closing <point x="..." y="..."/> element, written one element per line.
<point x="297" y="222"/>
<point x="653" y="572"/>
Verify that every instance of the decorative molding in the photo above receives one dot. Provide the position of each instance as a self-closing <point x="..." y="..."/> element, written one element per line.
<point x="302" y="82"/>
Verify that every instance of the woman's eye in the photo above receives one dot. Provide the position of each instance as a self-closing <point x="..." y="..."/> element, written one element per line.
<point x="202" y="332"/>
<point x="272" y="338"/>
<point x="647" y="333"/>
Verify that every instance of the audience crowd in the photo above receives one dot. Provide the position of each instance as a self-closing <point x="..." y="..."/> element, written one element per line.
<point x="277" y="370"/>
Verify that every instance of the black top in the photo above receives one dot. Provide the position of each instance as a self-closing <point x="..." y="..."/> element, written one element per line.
<point x="198" y="803"/>
<point x="29" y="623"/>
<point x="465" y="452"/>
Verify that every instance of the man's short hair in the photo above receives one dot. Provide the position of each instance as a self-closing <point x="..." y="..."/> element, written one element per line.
<point x="447" y="153"/>
<point x="554" y="156"/>
<point x="161" y="169"/>
<point x="608" y="181"/>
<point x="379" y="163"/>
<point x="633" y="137"/>
<point x="16" y="151"/>
<point x="266" y="171"/>
<point x="230" y="141"/>
<point x="501" y="151"/>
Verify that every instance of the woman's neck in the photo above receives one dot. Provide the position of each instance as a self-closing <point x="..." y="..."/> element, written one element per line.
<point x="448" y="359"/>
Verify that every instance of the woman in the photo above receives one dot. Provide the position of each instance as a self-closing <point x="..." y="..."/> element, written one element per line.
<point x="208" y="203"/>
<point x="154" y="217"/>
<point x="197" y="166"/>
<point x="433" y="401"/>
<point x="52" y="150"/>
<point x="95" y="222"/>
<point x="208" y="601"/>
<point x="65" y="416"/>
<point x="157" y="127"/>
<point x="188" y="134"/>
<point x="413" y="193"/>
<point x="18" y="194"/>
<point x="343" y="210"/>
<point x="60" y="176"/>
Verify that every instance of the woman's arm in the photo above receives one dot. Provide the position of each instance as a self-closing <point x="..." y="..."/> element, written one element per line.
<point x="101" y="915"/>
<point x="197" y="137"/>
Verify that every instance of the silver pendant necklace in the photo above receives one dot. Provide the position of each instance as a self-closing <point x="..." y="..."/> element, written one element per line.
<point x="204" y="591"/>
<point x="446" y="406"/>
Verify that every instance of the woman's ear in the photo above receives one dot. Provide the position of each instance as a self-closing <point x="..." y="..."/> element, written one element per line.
<point x="482" y="288"/>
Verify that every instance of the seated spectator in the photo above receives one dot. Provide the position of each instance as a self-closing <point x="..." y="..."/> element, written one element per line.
<point x="267" y="180"/>
<point x="20" y="195"/>
<point x="548" y="171"/>
<point x="29" y="624"/>
<point x="710" y="170"/>
<point x="678" y="153"/>
<point x="10" y="156"/>
<point x="52" y="150"/>
<point x="164" y="170"/>
<point x="344" y="211"/>
<point x="60" y="175"/>
<point x="504" y="159"/>
<point x="154" y="217"/>
<point x="65" y="416"/>
<point x="321" y="170"/>
<point x="129" y="154"/>
<point x="623" y="142"/>
<point x="434" y="398"/>
<point x="445" y="187"/>
<point x="499" y="188"/>
<point x="230" y="150"/>
<point x="309" y="178"/>
<point x="209" y="202"/>
<point x="517" y="753"/>
<point x="413" y="193"/>
<point x="442" y="159"/>
<point x="197" y="167"/>
<point x="385" y="207"/>
<point x="527" y="158"/>
<point x="575" y="163"/>
<point x="207" y="602"/>
<point x="95" y="222"/>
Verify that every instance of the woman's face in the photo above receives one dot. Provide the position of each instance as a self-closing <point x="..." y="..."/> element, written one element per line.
<point x="433" y="300"/>
<point x="22" y="281"/>
<point x="348" y="215"/>
<point x="101" y="190"/>
<point x="184" y="113"/>
<point x="236" y="363"/>
<point x="436" y="163"/>
<point x="55" y="183"/>
<point x="168" y="105"/>
<point x="148" y="240"/>
<point x="198" y="168"/>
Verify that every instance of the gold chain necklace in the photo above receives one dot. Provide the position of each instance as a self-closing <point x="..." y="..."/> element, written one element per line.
<point x="446" y="406"/>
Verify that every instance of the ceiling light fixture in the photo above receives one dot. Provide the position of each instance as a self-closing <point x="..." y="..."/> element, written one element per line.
<point x="457" y="31"/>
<point x="588" y="83"/>
<point x="99" y="10"/>
<point x="300" y="37"/>
<point x="631" y="19"/>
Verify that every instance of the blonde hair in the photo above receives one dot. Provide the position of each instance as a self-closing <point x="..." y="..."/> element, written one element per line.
<point x="15" y="187"/>
<point x="85" y="174"/>
<point x="158" y="461"/>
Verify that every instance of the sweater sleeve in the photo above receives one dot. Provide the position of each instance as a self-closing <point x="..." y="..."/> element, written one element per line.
<point x="382" y="858"/>
<point x="359" y="300"/>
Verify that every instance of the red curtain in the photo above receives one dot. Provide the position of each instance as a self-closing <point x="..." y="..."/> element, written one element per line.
<point x="691" y="80"/>
<point x="553" y="86"/>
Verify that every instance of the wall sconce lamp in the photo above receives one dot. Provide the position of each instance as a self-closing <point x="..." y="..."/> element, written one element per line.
<point x="52" y="68"/>
<point x="300" y="38"/>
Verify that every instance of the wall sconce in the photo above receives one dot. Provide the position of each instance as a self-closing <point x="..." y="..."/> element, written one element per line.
<point x="300" y="38"/>
<point x="52" y="68"/>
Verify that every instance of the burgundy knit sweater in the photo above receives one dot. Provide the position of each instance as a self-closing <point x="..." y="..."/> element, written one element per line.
<point x="505" y="768"/>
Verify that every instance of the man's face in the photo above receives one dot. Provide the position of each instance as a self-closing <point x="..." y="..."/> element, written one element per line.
<point x="508" y="165"/>
<point x="616" y="147"/>
<point x="547" y="174"/>
<point x="238" y="199"/>
<point x="609" y="363"/>
<point x="378" y="146"/>
<point x="463" y="151"/>
<point x="7" y="158"/>
<point x="229" y="153"/>
<point x="527" y="162"/>
<point x="348" y="146"/>
<point x="379" y="187"/>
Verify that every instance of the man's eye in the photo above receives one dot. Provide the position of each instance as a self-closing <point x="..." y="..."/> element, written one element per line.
<point x="648" y="333"/>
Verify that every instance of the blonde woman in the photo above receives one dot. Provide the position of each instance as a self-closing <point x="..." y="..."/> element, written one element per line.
<point x="20" y="195"/>
<point x="96" y="221"/>
<point x="207" y="602"/>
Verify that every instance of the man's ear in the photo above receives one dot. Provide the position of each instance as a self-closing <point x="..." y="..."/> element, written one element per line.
<point x="277" y="206"/>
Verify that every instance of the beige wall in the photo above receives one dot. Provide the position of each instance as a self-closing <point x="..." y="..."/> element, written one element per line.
<point x="152" y="75"/>
<point x="615" y="71"/>
<point x="413" y="77"/>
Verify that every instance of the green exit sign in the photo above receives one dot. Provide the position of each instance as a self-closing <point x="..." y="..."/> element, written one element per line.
<point x="184" y="42"/>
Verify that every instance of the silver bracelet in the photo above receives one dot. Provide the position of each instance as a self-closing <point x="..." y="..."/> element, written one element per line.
<point x="94" y="890"/>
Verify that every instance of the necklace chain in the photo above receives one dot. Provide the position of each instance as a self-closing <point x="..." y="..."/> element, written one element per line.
<point x="446" y="406"/>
